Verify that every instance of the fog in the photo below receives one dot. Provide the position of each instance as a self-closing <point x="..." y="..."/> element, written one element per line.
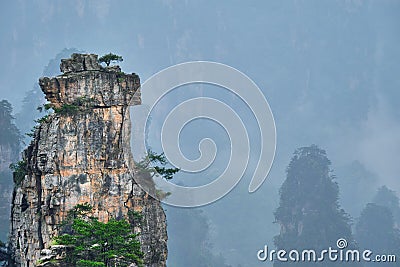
<point x="329" y="70"/>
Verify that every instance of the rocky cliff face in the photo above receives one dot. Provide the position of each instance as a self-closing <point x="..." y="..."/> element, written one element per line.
<point x="81" y="154"/>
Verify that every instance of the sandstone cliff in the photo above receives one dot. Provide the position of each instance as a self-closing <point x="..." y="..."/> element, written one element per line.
<point x="81" y="154"/>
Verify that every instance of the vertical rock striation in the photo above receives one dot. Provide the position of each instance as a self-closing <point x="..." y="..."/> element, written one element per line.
<point x="81" y="154"/>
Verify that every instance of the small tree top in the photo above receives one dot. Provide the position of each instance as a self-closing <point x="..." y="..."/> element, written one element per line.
<point x="110" y="57"/>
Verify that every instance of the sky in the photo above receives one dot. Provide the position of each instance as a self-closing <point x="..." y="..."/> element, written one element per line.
<point x="329" y="70"/>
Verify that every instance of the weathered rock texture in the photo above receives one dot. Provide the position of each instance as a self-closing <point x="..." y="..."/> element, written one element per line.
<point x="83" y="156"/>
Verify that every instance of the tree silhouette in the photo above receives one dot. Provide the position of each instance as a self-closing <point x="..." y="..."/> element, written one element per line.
<point x="108" y="58"/>
<point x="309" y="213"/>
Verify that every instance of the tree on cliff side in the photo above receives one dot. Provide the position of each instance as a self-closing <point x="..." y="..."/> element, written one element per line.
<point x="95" y="243"/>
<point x="159" y="161"/>
<point x="309" y="213"/>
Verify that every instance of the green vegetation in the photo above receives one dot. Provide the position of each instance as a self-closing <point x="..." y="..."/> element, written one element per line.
<point x="81" y="104"/>
<point x="78" y="211"/>
<point x="45" y="107"/>
<point x="32" y="132"/>
<point x="20" y="169"/>
<point x="94" y="243"/>
<point x="108" y="58"/>
<point x="153" y="165"/>
<point x="121" y="76"/>
<point x="35" y="127"/>
<point x="153" y="159"/>
<point x="34" y="97"/>
<point x="135" y="217"/>
<point x="43" y="119"/>
<point x="67" y="109"/>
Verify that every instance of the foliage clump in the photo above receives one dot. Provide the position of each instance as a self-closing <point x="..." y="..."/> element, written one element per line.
<point x="81" y="104"/>
<point x="43" y="119"/>
<point x="109" y="58"/>
<point x="135" y="217"/>
<point x="154" y="165"/>
<point x="153" y="158"/>
<point x="67" y="109"/>
<point x="94" y="243"/>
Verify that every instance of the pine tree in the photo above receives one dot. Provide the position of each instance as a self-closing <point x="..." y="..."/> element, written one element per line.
<point x="309" y="213"/>
<point x="95" y="243"/>
<point x="109" y="58"/>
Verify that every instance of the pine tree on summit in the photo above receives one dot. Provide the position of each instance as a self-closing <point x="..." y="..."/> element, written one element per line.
<point x="110" y="57"/>
<point x="309" y="213"/>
